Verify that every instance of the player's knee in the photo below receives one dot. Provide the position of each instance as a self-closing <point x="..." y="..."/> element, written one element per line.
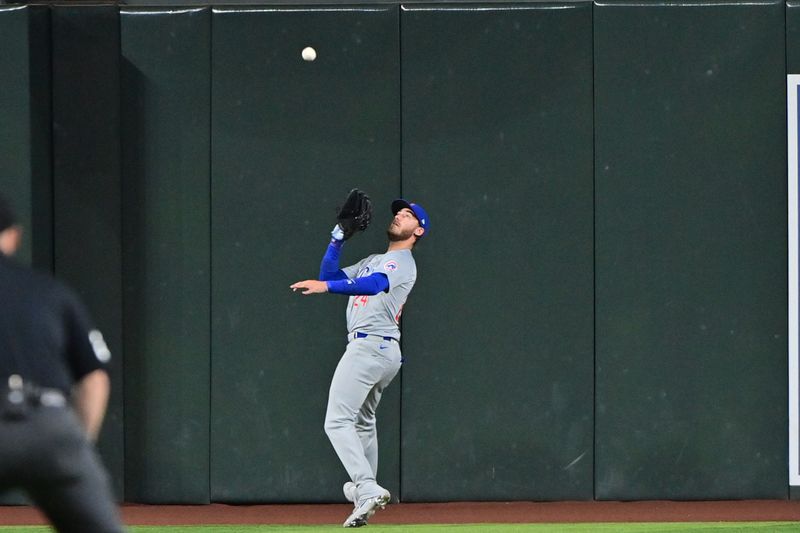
<point x="332" y="425"/>
<point x="335" y="423"/>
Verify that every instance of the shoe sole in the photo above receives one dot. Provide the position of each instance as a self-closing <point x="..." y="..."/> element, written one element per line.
<point x="361" y="518"/>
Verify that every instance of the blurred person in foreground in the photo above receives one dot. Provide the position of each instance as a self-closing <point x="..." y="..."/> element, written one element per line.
<point x="54" y="389"/>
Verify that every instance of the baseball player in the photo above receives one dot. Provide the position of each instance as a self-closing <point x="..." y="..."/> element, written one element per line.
<point x="378" y="286"/>
<point x="53" y="394"/>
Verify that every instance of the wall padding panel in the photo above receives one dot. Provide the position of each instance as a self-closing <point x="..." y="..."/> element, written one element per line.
<point x="793" y="37"/>
<point x="166" y="112"/>
<point x="86" y="176"/>
<point x="497" y="144"/>
<point x="289" y="139"/>
<point x="25" y="132"/>
<point x="690" y="173"/>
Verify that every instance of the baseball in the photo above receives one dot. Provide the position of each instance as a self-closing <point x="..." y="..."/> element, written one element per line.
<point x="309" y="54"/>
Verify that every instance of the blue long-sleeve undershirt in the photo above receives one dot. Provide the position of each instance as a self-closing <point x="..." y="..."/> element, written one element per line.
<point x="337" y="280"/>
<point x="329" y="269"/>
<point x="371" y="285"/>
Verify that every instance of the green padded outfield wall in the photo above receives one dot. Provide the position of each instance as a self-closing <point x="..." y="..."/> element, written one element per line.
<point x="166" y="110"/>
<point x="793" y="37"/>
<point x="86" y="184"/>
<point x="793" y="67"/>
<point x="497" y="144"/>
<point x="25" y="165"/>
<point x="690" y="174"/>
<point x="214" y="187"/>
<point x="289" y="139"/>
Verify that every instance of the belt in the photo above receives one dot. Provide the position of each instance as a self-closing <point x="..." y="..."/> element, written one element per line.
<point x="19" y="393"/>
<point x="359" y="335"/>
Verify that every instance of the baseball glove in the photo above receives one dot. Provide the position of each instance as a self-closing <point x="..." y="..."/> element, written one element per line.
<point x="356" y="213"/>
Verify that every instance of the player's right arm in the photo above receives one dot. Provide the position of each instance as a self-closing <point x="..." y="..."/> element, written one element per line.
<point x="367" y="285"/>
<point x="329" y="269"/>
<point x="90" y="399"/>
<point x="88" y="358"/>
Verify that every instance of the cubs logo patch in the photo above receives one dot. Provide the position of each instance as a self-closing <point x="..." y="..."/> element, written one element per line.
<point x="390" y="266"/>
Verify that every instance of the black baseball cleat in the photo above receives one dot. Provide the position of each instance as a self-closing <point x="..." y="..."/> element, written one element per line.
<point x="365" y="509"/>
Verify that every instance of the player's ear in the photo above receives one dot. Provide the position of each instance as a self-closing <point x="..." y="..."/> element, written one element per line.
<point x="419" y="232"/>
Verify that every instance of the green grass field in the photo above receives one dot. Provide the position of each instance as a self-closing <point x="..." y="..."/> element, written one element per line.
<point x="667" y="527"/>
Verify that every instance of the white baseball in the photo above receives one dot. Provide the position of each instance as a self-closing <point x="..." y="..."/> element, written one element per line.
<point x="309" y="54"/>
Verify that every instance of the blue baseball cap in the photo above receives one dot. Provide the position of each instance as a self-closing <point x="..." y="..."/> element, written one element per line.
<point x="418" y="210"/>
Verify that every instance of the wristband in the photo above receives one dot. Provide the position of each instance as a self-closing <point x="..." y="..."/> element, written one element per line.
<point x="338" y="233"/>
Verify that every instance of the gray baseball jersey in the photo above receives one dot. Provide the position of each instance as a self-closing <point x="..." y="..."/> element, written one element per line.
<point x="380" y="314"/>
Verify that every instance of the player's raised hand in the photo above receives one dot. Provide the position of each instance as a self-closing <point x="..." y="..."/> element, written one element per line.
<point x="354" y="215"/>
<point x="310" y="286"/>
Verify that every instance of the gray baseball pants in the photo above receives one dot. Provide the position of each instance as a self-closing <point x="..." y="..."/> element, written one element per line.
<point x="364" y="371"/>
<point x="45" y="452"/>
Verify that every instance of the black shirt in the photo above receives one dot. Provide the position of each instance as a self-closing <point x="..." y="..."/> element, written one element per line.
<point x="45" y="332"/>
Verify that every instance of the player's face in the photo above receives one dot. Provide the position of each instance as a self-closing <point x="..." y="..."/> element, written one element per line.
<point x="403" y="225"/>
